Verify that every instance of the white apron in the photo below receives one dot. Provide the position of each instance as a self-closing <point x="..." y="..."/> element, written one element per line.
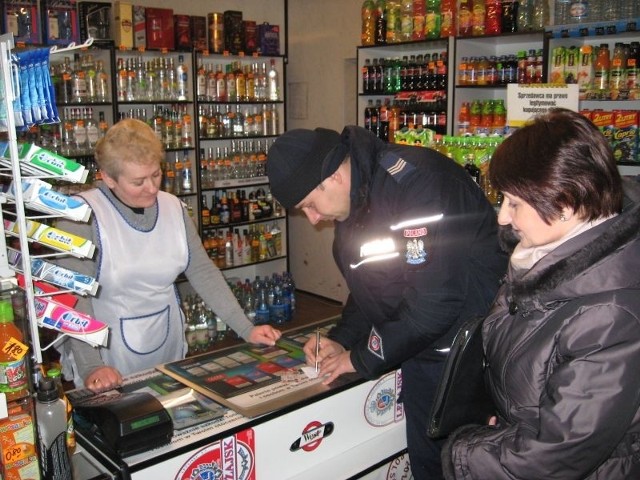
<point x="136" y="271"/>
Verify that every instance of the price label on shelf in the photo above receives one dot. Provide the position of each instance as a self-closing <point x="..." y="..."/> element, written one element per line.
<point x="526" y="101"/>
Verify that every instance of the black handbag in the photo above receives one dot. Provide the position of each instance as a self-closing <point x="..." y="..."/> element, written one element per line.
<point x="461" y="397"/>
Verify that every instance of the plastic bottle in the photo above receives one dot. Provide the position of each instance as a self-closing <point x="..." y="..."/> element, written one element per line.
<point x="493" y="22"/>
<point x="419" y="13"/>
<point x="449" y="18"/>
<point x="618" y="71"/>
<point x="602" y="67"/>
<point x="367" y="36"/>
<point x="510" y="16"/>
<point x="525" y="16"/>
<point x="540" y="17"/>
<point x="478" y="15"/>
<point x="393" y="21"/>
<point x="433" y="19"/>
<point x="406" y="21"/>
<point x="56" y="374"/>
<point x="51" y="416"/>
<point x="464" y="18"/>
<point x="633" y="62"/>
<point x="561" y="12"/>
<point x="381" y="23"/>
<point x="14" y="379"/>
<point x="464" y="119"/>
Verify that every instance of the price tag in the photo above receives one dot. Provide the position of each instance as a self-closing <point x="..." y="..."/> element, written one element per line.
<point x="19" y="451"/>
<point x="15" y="349"/>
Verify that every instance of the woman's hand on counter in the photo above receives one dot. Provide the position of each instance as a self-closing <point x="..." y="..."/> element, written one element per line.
<point x="103" y="378"/>
<point x="265" y="335"/>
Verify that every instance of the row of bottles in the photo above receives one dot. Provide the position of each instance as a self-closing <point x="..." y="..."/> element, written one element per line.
<point x="237" y="83"/>
<point x="409" y="74"/>
<point x="216" y="121"/>
<point x="523" y="67"/>
<point x="393" y="21"/>
<point x="243" y="160"/>
<point x="600" y="72"/>
<point x="583" y="11"/>
<point x="157" y="79"/>
<point x="203" y="328"/>
<point x="172" y="124"/>
<point x="386" y="119"/>
<point x="268" y="300"/>
<point x="84" y="81"/>
<point x="482" y="118"/>
<point x="232" y="207"/>
<point x="231" y="248"/>
<point x="473" y="154"/>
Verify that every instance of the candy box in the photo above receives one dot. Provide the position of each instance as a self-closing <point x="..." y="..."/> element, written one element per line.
<point x="18" y="444"/>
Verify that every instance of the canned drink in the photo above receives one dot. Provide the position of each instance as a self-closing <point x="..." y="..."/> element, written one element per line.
<point x="216" y="32"/>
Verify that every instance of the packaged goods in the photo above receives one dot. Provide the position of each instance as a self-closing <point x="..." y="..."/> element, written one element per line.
<point x="53" y="315"/>
<point x="18" y="446"/>
<point x="625" y="136"/>
<point x="94" y="19"/>
<point x="59" y="22"/>
<point x="123" y="24"/>
<point x="53" y="237"/>
<point x="35" y="160"/>
<point x="269" y="39"/>
<point x="159" y="28"/>
<point x="139" y="27"/>
<point x="39" y="195"/>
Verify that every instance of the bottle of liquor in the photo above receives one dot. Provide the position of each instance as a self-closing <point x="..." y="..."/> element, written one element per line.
<point x="78" y="81"/>
<point x="187" y="176"/>
<point x="273" y="85"/>
<point x="102" y="83"/>
<point x="66" y="85"/>
<point x="205" y="213"/>
<point x="93" y="132"/>
<point x="182" y="79"/>
<point x="91" y="78"/>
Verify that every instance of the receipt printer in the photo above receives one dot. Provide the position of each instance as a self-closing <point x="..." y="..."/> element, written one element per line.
<point x="125" y="423"/>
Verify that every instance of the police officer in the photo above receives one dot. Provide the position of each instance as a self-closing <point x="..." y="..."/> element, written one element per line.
<point x="416" y="241"/>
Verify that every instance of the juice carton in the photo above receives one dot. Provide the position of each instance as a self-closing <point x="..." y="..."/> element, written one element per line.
<point x="558" y="61"/>
<point x="585" y="69"/>
<point x="625" y="136"/>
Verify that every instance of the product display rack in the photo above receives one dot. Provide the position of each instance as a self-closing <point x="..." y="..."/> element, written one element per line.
<point x="595" y="34"/>
<point x="412" y="98"/>
<point x="246" y="144"/>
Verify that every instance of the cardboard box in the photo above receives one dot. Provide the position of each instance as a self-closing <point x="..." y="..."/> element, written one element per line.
<point x="59" y="22"/>
<point x="123" y="24"/>
<point x="625" y="136"/>
<point x="20" y="17"/>
<point x="159" y="28"/>
<point x="182" y="29"/>
<point x="215" y="21"/>
<point x="139" y="27"/>
<point x="250" y="36"/>
<point x="18" y="444"/>
<point x="269" y="39"/>
<point x="94" y="19"/>
<point x="198" y="33"/>
<point x="233" y="32"/>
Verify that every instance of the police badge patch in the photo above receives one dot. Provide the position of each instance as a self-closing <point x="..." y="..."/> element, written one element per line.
<point x="375" y="343"/>
<point x="415" y="252"/>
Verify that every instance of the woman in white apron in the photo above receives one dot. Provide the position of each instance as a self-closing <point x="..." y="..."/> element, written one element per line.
<point x="144" y="239"/>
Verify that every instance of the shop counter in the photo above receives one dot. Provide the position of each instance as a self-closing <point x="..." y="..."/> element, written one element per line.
<point x="307" y="430"/>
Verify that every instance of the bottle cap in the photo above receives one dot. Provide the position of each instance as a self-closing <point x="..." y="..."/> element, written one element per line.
<point x="6" y="312"/>
<point x="47" y="390"/>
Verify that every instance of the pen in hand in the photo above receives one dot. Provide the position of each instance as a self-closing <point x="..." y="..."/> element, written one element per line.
<point x="317" y="347"/>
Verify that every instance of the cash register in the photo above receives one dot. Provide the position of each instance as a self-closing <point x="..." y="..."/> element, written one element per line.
<point x="126" y="423"/>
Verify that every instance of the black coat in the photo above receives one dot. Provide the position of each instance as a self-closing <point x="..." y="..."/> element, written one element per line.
<point x="447" y="269"/>
<point x="563" y="348"/>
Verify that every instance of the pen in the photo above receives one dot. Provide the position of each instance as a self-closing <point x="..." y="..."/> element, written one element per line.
<point x="317" y="347"/>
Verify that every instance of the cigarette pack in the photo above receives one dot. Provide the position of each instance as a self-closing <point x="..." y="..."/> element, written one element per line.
<point x="18" y="444"/>
<point x="59" y="22"/>
<point x="38" y="195"/>
<point x="123" y="24"/>
<point x="63" y="319"/>
<point x="20" y="17"/>
<point x="53" y="237"/>
<point x="139" y="27"/>
<point x="55" y="274"/>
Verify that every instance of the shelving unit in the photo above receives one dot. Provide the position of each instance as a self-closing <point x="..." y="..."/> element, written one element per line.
<point x="398" y="51"/>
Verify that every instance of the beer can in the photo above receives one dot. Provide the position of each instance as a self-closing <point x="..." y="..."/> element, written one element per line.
<point x="216" y="32"/>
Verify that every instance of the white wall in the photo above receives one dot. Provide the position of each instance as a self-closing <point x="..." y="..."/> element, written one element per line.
<point x="321" y="78"/>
